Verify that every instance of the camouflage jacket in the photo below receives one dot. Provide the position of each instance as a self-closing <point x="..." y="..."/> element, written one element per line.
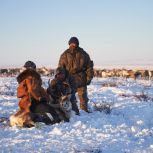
<point x="58" y="88"/>
<point x="78" y="66"/>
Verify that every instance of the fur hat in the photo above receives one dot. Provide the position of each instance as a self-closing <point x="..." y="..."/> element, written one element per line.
<point x="74" y="40"/>
<point x="30" y="64"/>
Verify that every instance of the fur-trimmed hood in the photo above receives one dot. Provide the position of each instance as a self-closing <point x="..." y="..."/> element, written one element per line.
<point x="28" y="72"/>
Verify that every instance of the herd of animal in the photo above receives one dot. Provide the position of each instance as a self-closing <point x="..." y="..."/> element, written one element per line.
<point x="101" y="73"/>
<point x="15" y="71"/>
<point x="125" y="73"/>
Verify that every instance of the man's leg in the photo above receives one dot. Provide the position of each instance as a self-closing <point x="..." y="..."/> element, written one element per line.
<point x="82" y="93"/>
<point x="74" y="103"/>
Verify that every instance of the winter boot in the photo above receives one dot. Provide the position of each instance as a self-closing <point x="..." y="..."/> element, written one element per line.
<point x="84" y="106"/>
<point x="75" y="108"/>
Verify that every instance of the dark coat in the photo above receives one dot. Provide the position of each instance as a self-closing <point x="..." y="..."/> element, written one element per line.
<point x="58" y="88"/>
<point x="30" y="87"/>
<point x="78" y="66"/>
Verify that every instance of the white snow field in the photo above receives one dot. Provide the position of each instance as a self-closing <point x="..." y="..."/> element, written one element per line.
<point x="127" y="128"/>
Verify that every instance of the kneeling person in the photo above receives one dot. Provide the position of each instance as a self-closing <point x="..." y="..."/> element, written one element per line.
<point x="60" y="86"/>
<point x="33" y="98"/>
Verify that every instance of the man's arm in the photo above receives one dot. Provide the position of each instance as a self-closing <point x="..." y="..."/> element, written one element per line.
<point x="89" y="69"/>
<point x="61" y="61"/>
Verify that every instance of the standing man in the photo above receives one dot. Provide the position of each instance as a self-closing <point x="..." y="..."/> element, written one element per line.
<point x="79" y="68"/>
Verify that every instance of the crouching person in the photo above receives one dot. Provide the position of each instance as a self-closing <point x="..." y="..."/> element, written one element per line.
<point x="34" y="100"/>
<point x="61" y="93"/>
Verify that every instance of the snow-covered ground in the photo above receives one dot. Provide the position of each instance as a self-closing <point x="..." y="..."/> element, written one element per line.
<point x="127" y="128"/>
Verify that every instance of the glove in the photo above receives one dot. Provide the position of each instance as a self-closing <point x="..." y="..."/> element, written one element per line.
<point x="88" y="82"/>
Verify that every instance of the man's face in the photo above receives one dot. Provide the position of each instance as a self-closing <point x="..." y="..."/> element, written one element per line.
<point x="60" y="76"/>
<point x="72" y="46"/>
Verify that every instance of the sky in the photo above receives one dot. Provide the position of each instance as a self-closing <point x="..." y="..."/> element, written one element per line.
<point x="111" y="31"/>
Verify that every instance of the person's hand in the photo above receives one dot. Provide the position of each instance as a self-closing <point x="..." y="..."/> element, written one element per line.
<point x="88" y="82"/>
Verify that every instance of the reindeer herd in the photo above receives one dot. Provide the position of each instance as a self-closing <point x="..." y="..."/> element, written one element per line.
<point x="99" y="73"/>
<point x="125" y="73"/>
<point x="15" y="71"/>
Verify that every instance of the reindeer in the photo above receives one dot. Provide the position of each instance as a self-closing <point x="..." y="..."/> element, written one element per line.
<point x="132" y="74"/>
<point x="28" y="119"/>
<point x="145" y="74"/>
<point x="103" y="73"/>
<point x="118" y="73"/>
<point x="22" y="119"/>
<point x="150" y="75"/>
<point x="125" y="73"/>
<point x="63" y="108"/>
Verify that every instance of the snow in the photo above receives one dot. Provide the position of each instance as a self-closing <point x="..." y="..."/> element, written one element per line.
<point x="127" y="128"/>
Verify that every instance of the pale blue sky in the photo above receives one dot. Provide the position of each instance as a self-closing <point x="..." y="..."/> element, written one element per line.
<point x="111" y="31"/>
